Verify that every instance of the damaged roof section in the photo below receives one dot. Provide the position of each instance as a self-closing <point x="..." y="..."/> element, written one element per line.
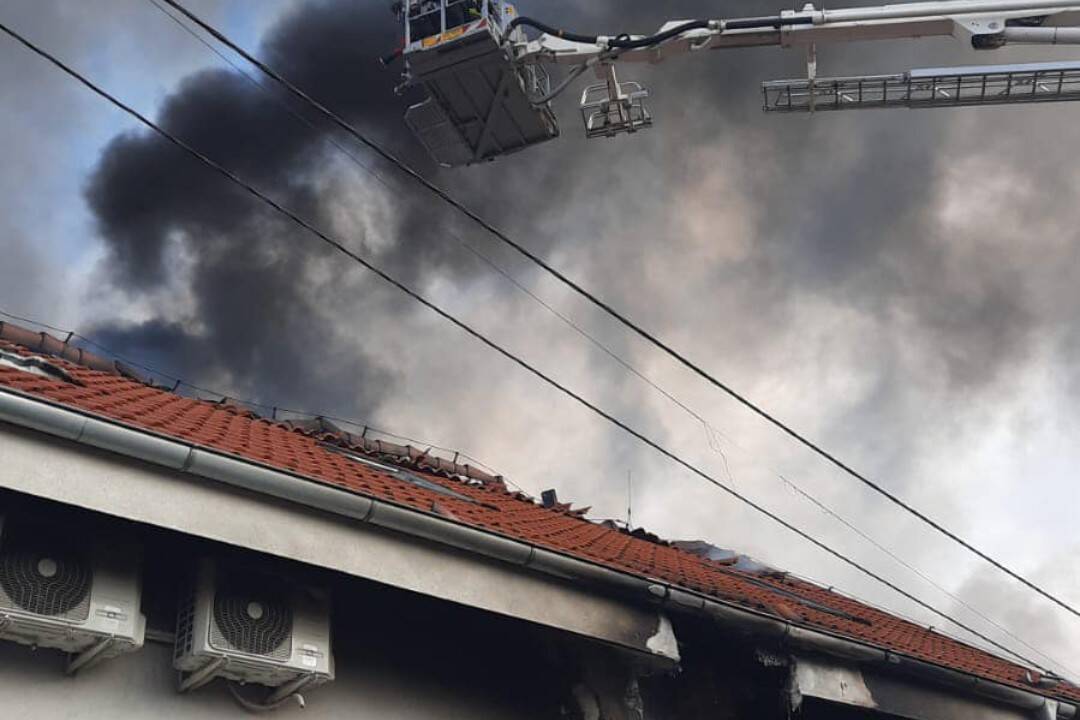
<point x="45" y="344"/>
<point x="35" y="365"/>
<point x="729" y="558"/>
<point x="322" y="452"/>
<point x="429" y="458"/>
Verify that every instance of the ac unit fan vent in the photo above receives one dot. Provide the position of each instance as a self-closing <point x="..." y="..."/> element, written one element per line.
<point x="54" y="582"/>
<point x="253" y="618"/>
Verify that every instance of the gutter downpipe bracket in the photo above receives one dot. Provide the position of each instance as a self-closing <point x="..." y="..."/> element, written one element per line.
<point x="51" y="418"/>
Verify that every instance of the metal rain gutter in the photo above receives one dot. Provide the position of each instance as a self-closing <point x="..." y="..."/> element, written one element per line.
<point x="80" y="427"/>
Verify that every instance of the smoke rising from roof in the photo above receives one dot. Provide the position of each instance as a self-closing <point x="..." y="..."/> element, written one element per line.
<point x="860" y="273"/>
<point x="166" y="220"/>
<point x="246" y="274"/>
<point x="253" y="283"/>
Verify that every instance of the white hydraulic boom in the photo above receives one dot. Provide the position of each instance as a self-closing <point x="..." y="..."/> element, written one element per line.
<point x="489" y="92"/>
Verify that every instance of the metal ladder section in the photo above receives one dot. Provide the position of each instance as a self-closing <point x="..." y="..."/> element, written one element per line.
<point x="933" y="87"/>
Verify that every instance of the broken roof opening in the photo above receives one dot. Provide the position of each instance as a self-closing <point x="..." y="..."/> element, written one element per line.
<point x="399" y="473"/>
<point x="35" y="366"/>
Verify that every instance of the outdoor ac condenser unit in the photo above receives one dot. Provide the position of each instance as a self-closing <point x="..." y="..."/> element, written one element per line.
<point x="252" y="627"/>
<point x="60" y="589"/>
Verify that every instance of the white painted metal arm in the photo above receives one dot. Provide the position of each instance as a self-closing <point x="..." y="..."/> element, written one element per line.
<point x="467" y="119"/>
<point x="1042" y="35"/>
<point x="963" y="19"/>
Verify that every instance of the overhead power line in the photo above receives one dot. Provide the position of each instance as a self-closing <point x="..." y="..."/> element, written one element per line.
<point x="707" y="426"/>
<point x="548" y="307"/>
<point x="904" y="563"/>
<point x="616" y="314"/>
<point x="565" y="319"/>
<point x="491" y="344"/>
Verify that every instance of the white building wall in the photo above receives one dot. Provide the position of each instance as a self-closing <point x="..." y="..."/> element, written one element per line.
<point x="142" y="686"/>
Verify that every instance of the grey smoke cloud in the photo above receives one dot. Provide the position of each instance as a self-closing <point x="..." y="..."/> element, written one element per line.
<point x="1007" y="603"/>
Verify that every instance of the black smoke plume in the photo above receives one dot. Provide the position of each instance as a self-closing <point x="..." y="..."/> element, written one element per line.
<point x="249" y="297"/>
<point x="256" y="288"/>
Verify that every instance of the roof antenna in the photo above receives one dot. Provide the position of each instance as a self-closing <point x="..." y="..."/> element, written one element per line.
<point x="629" y="500"/>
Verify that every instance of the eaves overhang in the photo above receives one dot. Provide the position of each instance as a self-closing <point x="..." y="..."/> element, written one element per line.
<point x="916" y="692"/>
<point x="107" y="467"/>
<point x="635" y="592"/>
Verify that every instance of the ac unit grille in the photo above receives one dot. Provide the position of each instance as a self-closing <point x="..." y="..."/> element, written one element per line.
<point x="185" y="623"/>
<point x="252" y="616"/>
<point x="49" y="581"/>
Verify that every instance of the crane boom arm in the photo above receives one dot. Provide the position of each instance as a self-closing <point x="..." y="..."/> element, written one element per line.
<point x="988" y="20"/>
<point x="489" y="92"/>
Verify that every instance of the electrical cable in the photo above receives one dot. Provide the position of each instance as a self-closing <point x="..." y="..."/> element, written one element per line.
<point x="570" y="322"/>
<point x="895" y="557"/>
<point x="475" y="251"/>
<point x="566" y="320"/>
<point x="709" y="430"/>
<point x="574" y="73"/>
<point x="480" y="337"/>
<point x="824" y="508"/>
<point x="619" y="316"/>
<point x="789" y="483"/>
<point x="209" y="46"/>
<point x="952" y="596"/>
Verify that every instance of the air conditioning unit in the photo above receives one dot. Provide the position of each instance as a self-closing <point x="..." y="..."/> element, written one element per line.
<point x="252" y="627"/>
<point x="57" y="590"/>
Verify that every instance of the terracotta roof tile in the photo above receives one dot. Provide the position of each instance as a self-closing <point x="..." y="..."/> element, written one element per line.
<point x="298" y="448"/>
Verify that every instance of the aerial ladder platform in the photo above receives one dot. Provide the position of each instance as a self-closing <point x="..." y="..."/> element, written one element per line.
<point x="479" y="100"/>
<point x="489" y="90"/>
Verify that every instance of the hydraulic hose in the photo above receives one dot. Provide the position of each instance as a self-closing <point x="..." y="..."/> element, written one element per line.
<point x="545" y="28"/>
<point x="624" y="42"/>
<point x="772" y="21"/>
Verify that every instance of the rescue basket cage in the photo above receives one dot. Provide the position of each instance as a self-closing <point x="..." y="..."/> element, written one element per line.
<point x="430" y="22"/>
<point x="480" y="104"/>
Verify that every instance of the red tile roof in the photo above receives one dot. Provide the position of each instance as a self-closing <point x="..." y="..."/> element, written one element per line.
<point x="109" y="393"/>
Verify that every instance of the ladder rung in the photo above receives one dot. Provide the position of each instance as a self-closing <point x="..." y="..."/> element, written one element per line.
<point x="941" y="87"/>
